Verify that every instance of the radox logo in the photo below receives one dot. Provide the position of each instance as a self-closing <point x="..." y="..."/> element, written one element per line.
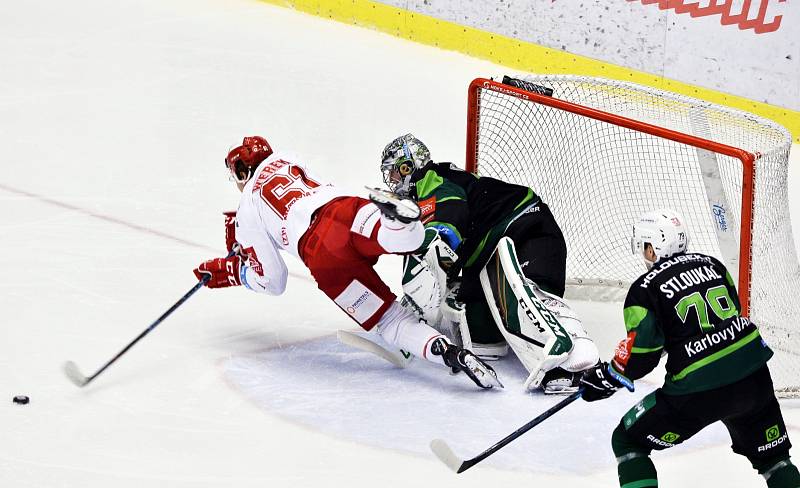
<point x="759" y="15"/>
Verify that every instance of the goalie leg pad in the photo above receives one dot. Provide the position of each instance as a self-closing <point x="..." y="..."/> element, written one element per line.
<point x="532" y="331"/>
<point x="425" y="277"/>
<point x="583" y="356"/>
<point x="422" y="289"/>
<point x="584" y="352"/>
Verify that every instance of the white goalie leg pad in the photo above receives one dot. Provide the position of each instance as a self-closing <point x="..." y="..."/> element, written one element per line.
<point x="534" y="333"/>
<point x="454" y="320"/>
<point x="584" y="353"/>
<point x="401" y="329"/>
<point x="422" y="289"/>
<point x="425" y="278"/>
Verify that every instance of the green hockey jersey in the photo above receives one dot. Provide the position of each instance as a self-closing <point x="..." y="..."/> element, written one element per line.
<point x="470" y="212"/>
<point x="686" y="306"/>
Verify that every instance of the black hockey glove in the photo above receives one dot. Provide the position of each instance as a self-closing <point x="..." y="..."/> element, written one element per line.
<point x="602" y="381"/>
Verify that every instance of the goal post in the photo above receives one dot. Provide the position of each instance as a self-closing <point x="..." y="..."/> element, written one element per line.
<point x="601" y="152"/>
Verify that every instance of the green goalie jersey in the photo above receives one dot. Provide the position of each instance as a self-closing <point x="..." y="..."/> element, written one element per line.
<point x="686" y="306"/>
<point x="465" y="207"/>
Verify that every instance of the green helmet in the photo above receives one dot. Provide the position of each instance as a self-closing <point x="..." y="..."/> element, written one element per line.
<point x="400" y="159"/>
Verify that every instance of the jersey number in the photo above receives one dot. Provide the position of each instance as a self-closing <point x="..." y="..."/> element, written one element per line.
<point x="718" y="298"/>
<point x="281" y="190"/>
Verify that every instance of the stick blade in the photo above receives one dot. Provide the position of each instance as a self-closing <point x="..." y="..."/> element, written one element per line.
<point x="447" y="456"/>
<point x="356" y="341"/>
<point x="75" y="375"/>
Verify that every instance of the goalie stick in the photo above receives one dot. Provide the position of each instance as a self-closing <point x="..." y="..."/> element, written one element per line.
<point x="448" y="457"/>
<point x="400" y="358"/>
<point x="79" y="379"/>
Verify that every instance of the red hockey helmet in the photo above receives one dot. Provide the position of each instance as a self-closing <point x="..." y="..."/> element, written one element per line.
<point x="243" y="160"/>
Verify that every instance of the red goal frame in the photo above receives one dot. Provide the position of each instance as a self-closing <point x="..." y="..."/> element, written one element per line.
<point x="747" y="158"/>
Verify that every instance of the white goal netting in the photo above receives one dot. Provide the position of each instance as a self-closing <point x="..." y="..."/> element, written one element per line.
<point x="598" y="176"/>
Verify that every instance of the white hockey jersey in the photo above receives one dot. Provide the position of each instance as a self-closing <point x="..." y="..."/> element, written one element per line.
<point x="274" y="212"/>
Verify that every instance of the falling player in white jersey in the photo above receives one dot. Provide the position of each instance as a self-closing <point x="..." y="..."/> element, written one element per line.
<point x="339" y="238"/>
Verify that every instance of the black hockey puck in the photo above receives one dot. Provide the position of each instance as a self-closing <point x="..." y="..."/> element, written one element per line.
<point x="21" y="399"/>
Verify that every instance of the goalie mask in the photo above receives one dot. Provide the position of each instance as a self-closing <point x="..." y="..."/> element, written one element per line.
<point x="663" y="230"/>
<point x="400" y="159"/>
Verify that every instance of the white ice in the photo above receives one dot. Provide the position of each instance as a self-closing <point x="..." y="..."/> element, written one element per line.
<point x="114" y="120"/>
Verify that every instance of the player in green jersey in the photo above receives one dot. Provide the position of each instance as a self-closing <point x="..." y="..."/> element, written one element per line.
<point x="467" y="217"/>
<point x="686" y="306"/>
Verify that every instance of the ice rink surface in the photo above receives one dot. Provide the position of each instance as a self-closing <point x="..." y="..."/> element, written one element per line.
<point x="114" y="120"/>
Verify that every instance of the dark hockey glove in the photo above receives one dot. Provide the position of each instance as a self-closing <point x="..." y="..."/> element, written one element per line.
<point x="395" y="207"/>
<point x="602" y="381"/>
<point x="460" y="359"/>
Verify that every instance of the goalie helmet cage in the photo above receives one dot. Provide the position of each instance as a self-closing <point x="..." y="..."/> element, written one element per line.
<point x="602" y="152"/>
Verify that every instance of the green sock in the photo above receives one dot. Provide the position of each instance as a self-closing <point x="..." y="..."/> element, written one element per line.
<point x="638" y="472"/>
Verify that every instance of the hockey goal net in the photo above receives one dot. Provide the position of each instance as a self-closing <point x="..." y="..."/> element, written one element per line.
<point x="602" y="152"/>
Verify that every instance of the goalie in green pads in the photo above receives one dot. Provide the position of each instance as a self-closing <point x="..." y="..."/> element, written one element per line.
<point x="466" y="218"/>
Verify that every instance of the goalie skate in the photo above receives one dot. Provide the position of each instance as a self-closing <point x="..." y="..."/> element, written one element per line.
<point x="394" y="207"/>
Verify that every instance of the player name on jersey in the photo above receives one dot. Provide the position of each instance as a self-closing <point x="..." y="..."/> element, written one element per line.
<point x="687" y="279"/>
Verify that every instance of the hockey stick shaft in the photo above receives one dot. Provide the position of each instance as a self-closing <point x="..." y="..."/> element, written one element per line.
<point x="72" y="371"/>
<point x="459" y="466"/>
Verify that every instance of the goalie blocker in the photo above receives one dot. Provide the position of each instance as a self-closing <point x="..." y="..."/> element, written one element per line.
<point x="542" y="330"/>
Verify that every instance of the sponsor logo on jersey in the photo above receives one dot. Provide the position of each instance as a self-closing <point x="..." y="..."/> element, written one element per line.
<point x="682" y="258"/>
<point x="365" y="220"/>
<point x="728" y="334"/>
<point x="719" y="216"/>
<point x="358" y="301"/>
<point x="284" y="236"/>
<point x="252" y="261"/>
<point x="427" y="208"/>
<point x="623" y="351"/>
<point x="532" y="209"/>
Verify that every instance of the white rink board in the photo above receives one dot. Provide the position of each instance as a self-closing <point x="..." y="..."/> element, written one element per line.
<point x="115" y="119"/>
<point x="755" y="54"/>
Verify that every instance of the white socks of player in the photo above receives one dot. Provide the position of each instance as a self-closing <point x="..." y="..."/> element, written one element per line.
<point x="401" y="328"/>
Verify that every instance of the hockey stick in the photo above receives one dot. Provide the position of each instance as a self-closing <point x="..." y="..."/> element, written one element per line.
<point x="400" y="358"/>
<point x="75" y="375"/>
<point x="448" y="457"/>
